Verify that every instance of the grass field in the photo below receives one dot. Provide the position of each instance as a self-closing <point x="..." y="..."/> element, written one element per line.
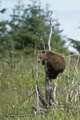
<point x="16" y="83"/>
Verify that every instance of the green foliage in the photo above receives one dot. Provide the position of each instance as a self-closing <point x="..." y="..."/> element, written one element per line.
<point x="19" y="34"/>
<point x="17" y="83"/>
<point x="3" y="35"/>
<point x="58" y="41"/>
<point x="76" y="44"/>
<point x="26" y="22"/>
<point x="4" y="47"/>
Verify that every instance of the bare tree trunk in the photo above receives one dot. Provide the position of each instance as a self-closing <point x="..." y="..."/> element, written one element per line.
<point x="48" y="91"/>
<point x="49" y="40"/>
<point x="48" y="87"/>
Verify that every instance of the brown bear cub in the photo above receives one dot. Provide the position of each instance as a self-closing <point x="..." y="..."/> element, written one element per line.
<point x="55" y="63"/>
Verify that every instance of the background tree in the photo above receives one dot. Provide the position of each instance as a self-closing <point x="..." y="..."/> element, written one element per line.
<point x="58" y="40"/>
<point x="21" y="36"/>
<point x="75" y="44"/>
<point x="3" y="34"/>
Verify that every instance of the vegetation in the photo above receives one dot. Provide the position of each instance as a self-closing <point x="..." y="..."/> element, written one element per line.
<point x="18" y="45"/>
<point x="19" y="34"/>
<point x="17" y="84"/>
<point x="75" y="44"/>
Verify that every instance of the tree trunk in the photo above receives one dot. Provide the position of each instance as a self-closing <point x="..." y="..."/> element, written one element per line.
<point x="48" y="90"/>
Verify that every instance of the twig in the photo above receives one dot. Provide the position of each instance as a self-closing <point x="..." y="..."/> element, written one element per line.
<point x="65" y="76"/>
<point x="40" y="109"/>
<point x="36" y="86"/>
<point x="70" y="85"/>
<point x="43" y="101"/>
<point x="41" y="40"/>
<point x="68" y="88"/>
<point x="27" y="97"/>
<point x="13" y="115"/>
<point x="72" y="55"/>
<point x="42" y="72"/>
<point x="58" y="74"/>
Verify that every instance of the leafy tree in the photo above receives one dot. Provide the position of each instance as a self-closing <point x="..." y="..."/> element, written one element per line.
<point x="21" y="33"/>
<point x="58" y="40"/>
<point x="3" y="34"/>
<point x="32" y="20"/>
<point x="75" y="44"/>
<point x="26" y="22"/>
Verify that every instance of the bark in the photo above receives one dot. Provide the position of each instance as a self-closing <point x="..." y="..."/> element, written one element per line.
<point x="48" y="91"/>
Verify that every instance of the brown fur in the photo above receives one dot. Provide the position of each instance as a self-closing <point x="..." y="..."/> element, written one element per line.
<point x="55" y="63"/>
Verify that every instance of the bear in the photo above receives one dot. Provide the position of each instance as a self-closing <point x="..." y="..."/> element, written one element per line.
<point x="55" y="63"/>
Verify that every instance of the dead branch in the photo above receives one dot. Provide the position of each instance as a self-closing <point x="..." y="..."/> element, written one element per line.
<point x="38" y="91"/>
<point x="49" y="40"/>
<point x="43" y="101"/>
<point x="68" y="88"/>
<point x="41" y="40"/>
<point x="55" y="87"/>
<point x="65" y="76"/>
<point x="58" y="74"/>
<point x="79" y="87"/>
<point x="72" y="55"/>
<point x="36" y="87"/>
<point x="14" y="115"/>
<point x="28" y="97"/>
<point x="76" y="96"/>
<point x="42" y="72"/>
<point x="71" y="85"/>
<point x="40" y="109"/>
<point x="76" y="71"/>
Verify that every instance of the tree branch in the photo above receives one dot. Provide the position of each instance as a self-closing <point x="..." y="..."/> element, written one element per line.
<point x="49" y="40"/>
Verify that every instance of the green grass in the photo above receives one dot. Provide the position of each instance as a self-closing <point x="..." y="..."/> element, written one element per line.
<point x="16" y="83"/>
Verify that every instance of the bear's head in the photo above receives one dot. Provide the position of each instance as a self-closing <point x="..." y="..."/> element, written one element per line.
<point x="41" y="57"/>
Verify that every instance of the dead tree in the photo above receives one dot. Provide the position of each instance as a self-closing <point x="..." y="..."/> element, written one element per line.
<point x="48" y="87"/>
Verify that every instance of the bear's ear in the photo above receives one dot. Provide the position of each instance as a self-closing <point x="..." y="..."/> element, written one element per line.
<point x="42" y="51"/>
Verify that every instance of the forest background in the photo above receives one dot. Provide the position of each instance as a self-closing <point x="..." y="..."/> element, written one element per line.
<point x="18" y="35"/>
